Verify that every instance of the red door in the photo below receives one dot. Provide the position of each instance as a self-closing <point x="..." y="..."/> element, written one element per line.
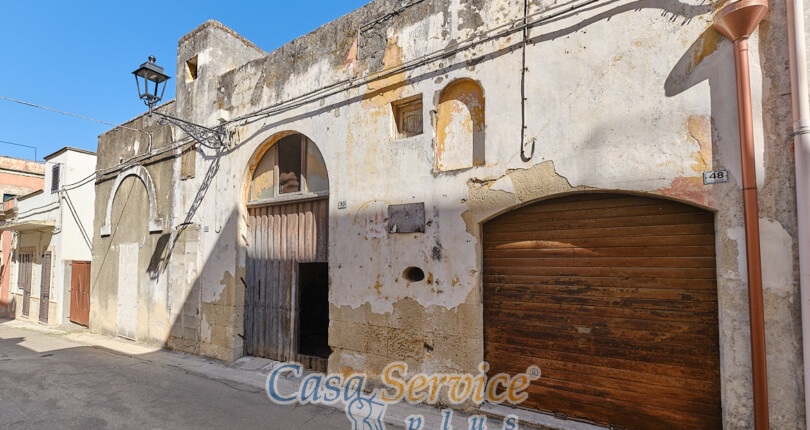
<point x="80" y="293"/>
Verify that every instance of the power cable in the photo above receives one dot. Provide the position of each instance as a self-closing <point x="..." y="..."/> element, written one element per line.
<point x="511" y="27"/>
<point x="80" y="182"/>
<point x="63" y="112"/>
<point x="72" y="186"/>
<point x="79" y="116"/>
<point x="112" y="236"/>
<point x="20" y="144"/>
<point x="523" y="155"/>
<point x="389" y="14"/>
<point x="78" y="220"/>
<point x="32" y="211"/>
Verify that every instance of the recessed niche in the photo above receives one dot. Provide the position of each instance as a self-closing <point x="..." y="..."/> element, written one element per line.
<point x="413" y="274"/>
<point x="408" y="116"/>
<point x="191" y="69"/>
<point x="460" y="126"/>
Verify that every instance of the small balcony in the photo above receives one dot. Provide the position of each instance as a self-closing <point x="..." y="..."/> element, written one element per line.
<point x="9" y="210"/>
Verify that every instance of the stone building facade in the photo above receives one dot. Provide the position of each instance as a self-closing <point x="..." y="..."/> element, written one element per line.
<point x="430" y="161"/>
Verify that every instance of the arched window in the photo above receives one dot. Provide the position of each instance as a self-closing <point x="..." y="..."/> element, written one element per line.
<point x="292" y="168"/>
<point x="460" y="130"/>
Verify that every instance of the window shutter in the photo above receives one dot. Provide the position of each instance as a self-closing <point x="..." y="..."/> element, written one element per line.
<point x="55" y="178"/>
<point x="188" y="161"/>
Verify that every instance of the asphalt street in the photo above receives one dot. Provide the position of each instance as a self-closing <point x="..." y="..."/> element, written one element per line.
<point x="48" y="381"/>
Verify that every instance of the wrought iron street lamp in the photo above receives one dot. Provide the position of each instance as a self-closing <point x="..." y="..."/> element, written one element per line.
<point x="149" y="72"/>
<point x="151" y="80"/>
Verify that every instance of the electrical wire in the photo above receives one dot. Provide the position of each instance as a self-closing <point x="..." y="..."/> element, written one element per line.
<point x="80" y="182"/>
<point x="389" y="14"/>
<point x="523" y="155"/>
<point x="78" y="116"/>
<point x="78" y="219"/>
<point x="112" y="236"/>
<point x="511" y="27"/>
<point x="72" y="186"/>
<point x="32" y="211"/>
<point x="503" y="30"/>
<point x="25" y="146"/>
<point x="62" y="112"/>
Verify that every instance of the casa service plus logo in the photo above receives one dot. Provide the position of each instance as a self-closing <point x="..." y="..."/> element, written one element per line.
<point x="366" y="410"/>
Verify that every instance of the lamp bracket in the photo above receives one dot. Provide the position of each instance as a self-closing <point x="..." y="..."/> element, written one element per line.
<point x="214" y="138"/>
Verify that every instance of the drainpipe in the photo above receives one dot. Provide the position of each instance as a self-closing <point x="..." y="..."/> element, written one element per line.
<point x="801" y="147"/>
<point x="737" y="21"/>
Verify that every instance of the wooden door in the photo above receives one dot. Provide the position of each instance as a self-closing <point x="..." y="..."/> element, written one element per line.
<point x="24" y="280"/>
<point x="80" y="292"/>
<point x="45" y="288"/>
<point x="281" y="237"/>
<point x="614" y="298"/>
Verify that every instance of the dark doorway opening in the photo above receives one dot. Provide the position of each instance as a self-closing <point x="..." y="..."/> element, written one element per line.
<point x="313" y="284"/>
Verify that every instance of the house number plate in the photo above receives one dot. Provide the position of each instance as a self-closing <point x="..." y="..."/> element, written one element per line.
<point x="715" y="177"/>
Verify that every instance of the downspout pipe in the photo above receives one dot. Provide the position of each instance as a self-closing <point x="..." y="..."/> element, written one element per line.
<point x="737" y="21"/>
<point x="801" y="148"/>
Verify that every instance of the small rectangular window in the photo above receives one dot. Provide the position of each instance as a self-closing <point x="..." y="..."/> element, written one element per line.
<point x="191" y="69"/>
<point x="289" y="164"/>
<point x="408" y="116"/>
<point x="7" y="197"/>
<point x="55" y="178"/>
<point x="188" y="161"/>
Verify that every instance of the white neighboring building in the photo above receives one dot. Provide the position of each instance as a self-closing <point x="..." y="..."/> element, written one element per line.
<point x="52" y="227"/>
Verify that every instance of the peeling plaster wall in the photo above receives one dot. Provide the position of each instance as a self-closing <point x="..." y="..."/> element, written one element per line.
<point x="622" y="96"/>
<point x="17" y="177"/>
<point x="129" y="227"/>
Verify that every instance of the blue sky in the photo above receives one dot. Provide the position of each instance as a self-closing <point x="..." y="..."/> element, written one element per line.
<point x="77" y="56"/>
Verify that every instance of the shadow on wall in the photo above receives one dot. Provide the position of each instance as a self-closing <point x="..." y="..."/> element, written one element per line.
<point x="199" y="297"/>
<point x="202" y="298"/>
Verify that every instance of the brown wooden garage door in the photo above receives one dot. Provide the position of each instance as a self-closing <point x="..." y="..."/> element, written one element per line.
<point x="614" y="297"/>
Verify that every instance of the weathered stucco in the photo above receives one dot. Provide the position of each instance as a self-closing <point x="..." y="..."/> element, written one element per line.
<point x="624" y="96"/>
<point x="17" y="178"/>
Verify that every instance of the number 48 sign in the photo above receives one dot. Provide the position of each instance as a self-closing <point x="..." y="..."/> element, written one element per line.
<point x="715" y="177"/>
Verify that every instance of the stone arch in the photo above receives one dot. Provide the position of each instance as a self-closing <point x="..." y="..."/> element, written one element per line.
<point x="460" y="126"/>
<point x="155" y="223"/>
<point x="313" y="175"/>
<point x="286" y="237"/>
<point x="521" y="187"/>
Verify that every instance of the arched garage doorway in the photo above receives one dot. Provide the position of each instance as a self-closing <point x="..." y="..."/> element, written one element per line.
<point x="614" y="297"/>
<point x="286" y="301"/>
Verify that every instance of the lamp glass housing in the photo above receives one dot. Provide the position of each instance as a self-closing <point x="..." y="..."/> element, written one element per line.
<point x="151" y="81"/>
